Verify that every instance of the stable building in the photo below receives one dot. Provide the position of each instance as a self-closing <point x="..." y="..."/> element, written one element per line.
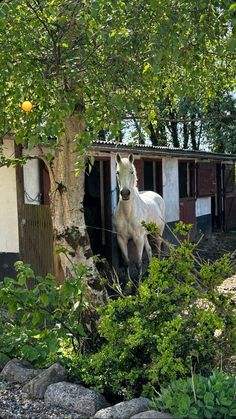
<point x="198" y="188"/>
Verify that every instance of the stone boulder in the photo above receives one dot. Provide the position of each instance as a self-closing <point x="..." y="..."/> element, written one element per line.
<point x="38" y="385"/>
<point x="124" y="410"/>
<point x="152" y="414"/>
<point x="75" y="397"/>
<point x="17" y="371"/>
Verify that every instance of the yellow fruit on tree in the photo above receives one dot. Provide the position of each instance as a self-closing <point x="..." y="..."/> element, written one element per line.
<point x="26" y="106"/>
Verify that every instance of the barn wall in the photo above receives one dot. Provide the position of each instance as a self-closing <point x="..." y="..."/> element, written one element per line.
<point x="32" y="182"/>
<point x="9" y="240"/>
<point x="171" y="188"/>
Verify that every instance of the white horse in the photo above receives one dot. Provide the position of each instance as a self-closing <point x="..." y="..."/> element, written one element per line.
<point x="133" y="208"/>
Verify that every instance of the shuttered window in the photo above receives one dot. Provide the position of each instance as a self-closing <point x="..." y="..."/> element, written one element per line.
<point x="206" y="179"/>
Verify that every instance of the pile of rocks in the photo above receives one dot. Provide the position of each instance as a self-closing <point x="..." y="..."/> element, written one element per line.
<point x="28" y="393"/>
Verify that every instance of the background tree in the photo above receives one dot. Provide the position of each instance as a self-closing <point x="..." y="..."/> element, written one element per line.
<point x="88" y="64"/>
<point x="194" y="126"/>
<point x="220" y="130"/>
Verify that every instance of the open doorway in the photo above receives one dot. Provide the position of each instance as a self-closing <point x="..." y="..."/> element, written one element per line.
<point x="97" y="207"/>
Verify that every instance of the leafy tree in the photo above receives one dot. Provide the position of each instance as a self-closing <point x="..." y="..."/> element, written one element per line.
<point x="88" y="64"/>
<point x="191" y="125"/>
<point x="220" y="131"/>
<point x="45" y="321"/>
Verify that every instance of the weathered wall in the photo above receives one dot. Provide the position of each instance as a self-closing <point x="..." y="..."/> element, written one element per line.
<point x="9" y="240"/>
<point x="171" y="188"/>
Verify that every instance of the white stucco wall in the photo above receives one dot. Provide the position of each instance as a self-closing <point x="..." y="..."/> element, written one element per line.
<point x="9" y="239"/>
<point x="113" y="183"/>
<point x="203" y="206"/>
<point x="32" y="182"/>
<point x="171" y="188"/>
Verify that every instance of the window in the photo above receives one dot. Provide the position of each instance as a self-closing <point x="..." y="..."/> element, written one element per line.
<point x="153" y="176"/>
<point x="186" y="179"/>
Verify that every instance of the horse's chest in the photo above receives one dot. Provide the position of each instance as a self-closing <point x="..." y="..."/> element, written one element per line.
<point x="127" y="224"/>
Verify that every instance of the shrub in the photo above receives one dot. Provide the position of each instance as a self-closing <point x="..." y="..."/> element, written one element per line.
<point x="174" y="323"/>
<point x="44" y="321"/>
<point x="199" y="397"/>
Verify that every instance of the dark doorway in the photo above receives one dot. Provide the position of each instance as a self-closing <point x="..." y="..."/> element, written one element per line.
<point x="217" y="201"/>
<point x="97" y="207"/>
<point x="153" y="176"/>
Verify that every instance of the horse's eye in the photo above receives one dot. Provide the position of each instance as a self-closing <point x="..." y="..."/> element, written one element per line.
<point x="131" y="172"/>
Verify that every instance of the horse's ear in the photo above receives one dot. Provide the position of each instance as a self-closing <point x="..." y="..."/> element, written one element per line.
<point x="131" y="158"/>
<point x="118" y="158"/>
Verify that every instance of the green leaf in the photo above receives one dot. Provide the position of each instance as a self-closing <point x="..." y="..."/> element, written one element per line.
<point x="232" y="7"/>
<point x="209" y="399"/>
<point x="226" y="402"/>
<point x="36" y="318"/>
<point x="208" y="414"/>
<point x="44" y="298"/>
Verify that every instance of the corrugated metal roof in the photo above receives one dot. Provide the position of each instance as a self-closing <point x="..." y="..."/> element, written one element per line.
<point x="151" y="150"/>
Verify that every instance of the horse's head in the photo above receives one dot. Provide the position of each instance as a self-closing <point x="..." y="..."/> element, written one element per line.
<point x="126" y="175"/>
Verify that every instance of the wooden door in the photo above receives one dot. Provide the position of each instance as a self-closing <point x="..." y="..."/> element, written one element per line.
<point x="229" y="197"/>
<point x="187" y="210"/>
<point x="36" y="238"/>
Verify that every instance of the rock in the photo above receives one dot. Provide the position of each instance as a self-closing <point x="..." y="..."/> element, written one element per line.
<point x="16" y="371"/>
<point x="75" y="397"/>
<point x="152" y="414"/>
<point x="38" y="385"/>
<point x="4" y="359"/>
<point x="230" y="365"/>
<point x="124" y="410"/>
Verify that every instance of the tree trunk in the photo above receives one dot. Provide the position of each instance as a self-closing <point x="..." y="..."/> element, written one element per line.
<point x="185" y="133"/>
<point x="153" y="136"/>
<point x="174" y="129"/>
<point x="193" y="132"/>
<point x="67" y="194"/>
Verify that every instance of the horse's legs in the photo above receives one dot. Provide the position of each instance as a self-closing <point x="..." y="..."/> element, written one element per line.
<point x="139" y="243"/>
<point x="148" y="248"/>
<point x="124" y="249"/>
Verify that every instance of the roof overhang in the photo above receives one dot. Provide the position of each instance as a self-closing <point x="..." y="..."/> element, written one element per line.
<point x="154" y="151"/>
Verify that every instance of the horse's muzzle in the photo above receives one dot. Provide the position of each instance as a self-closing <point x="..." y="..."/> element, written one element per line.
<point x="125" y="194"/>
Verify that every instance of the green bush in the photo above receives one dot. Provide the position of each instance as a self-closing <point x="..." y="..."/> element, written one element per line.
<point x="199" y="397"/>
<point x="45" y="321"/>
<point x="174" y="323"/>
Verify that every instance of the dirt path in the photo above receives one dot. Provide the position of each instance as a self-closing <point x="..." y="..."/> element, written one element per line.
<point x="217" y="245"/>
<point x="213" y="248"/>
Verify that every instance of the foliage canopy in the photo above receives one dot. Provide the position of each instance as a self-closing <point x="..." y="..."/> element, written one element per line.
<point x="110" y="59"/>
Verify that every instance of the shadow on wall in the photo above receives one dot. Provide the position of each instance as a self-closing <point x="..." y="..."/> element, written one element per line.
<point x="7" y="261"/>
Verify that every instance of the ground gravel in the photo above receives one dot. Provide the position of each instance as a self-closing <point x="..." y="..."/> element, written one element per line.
<point x="15" y="404"/>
